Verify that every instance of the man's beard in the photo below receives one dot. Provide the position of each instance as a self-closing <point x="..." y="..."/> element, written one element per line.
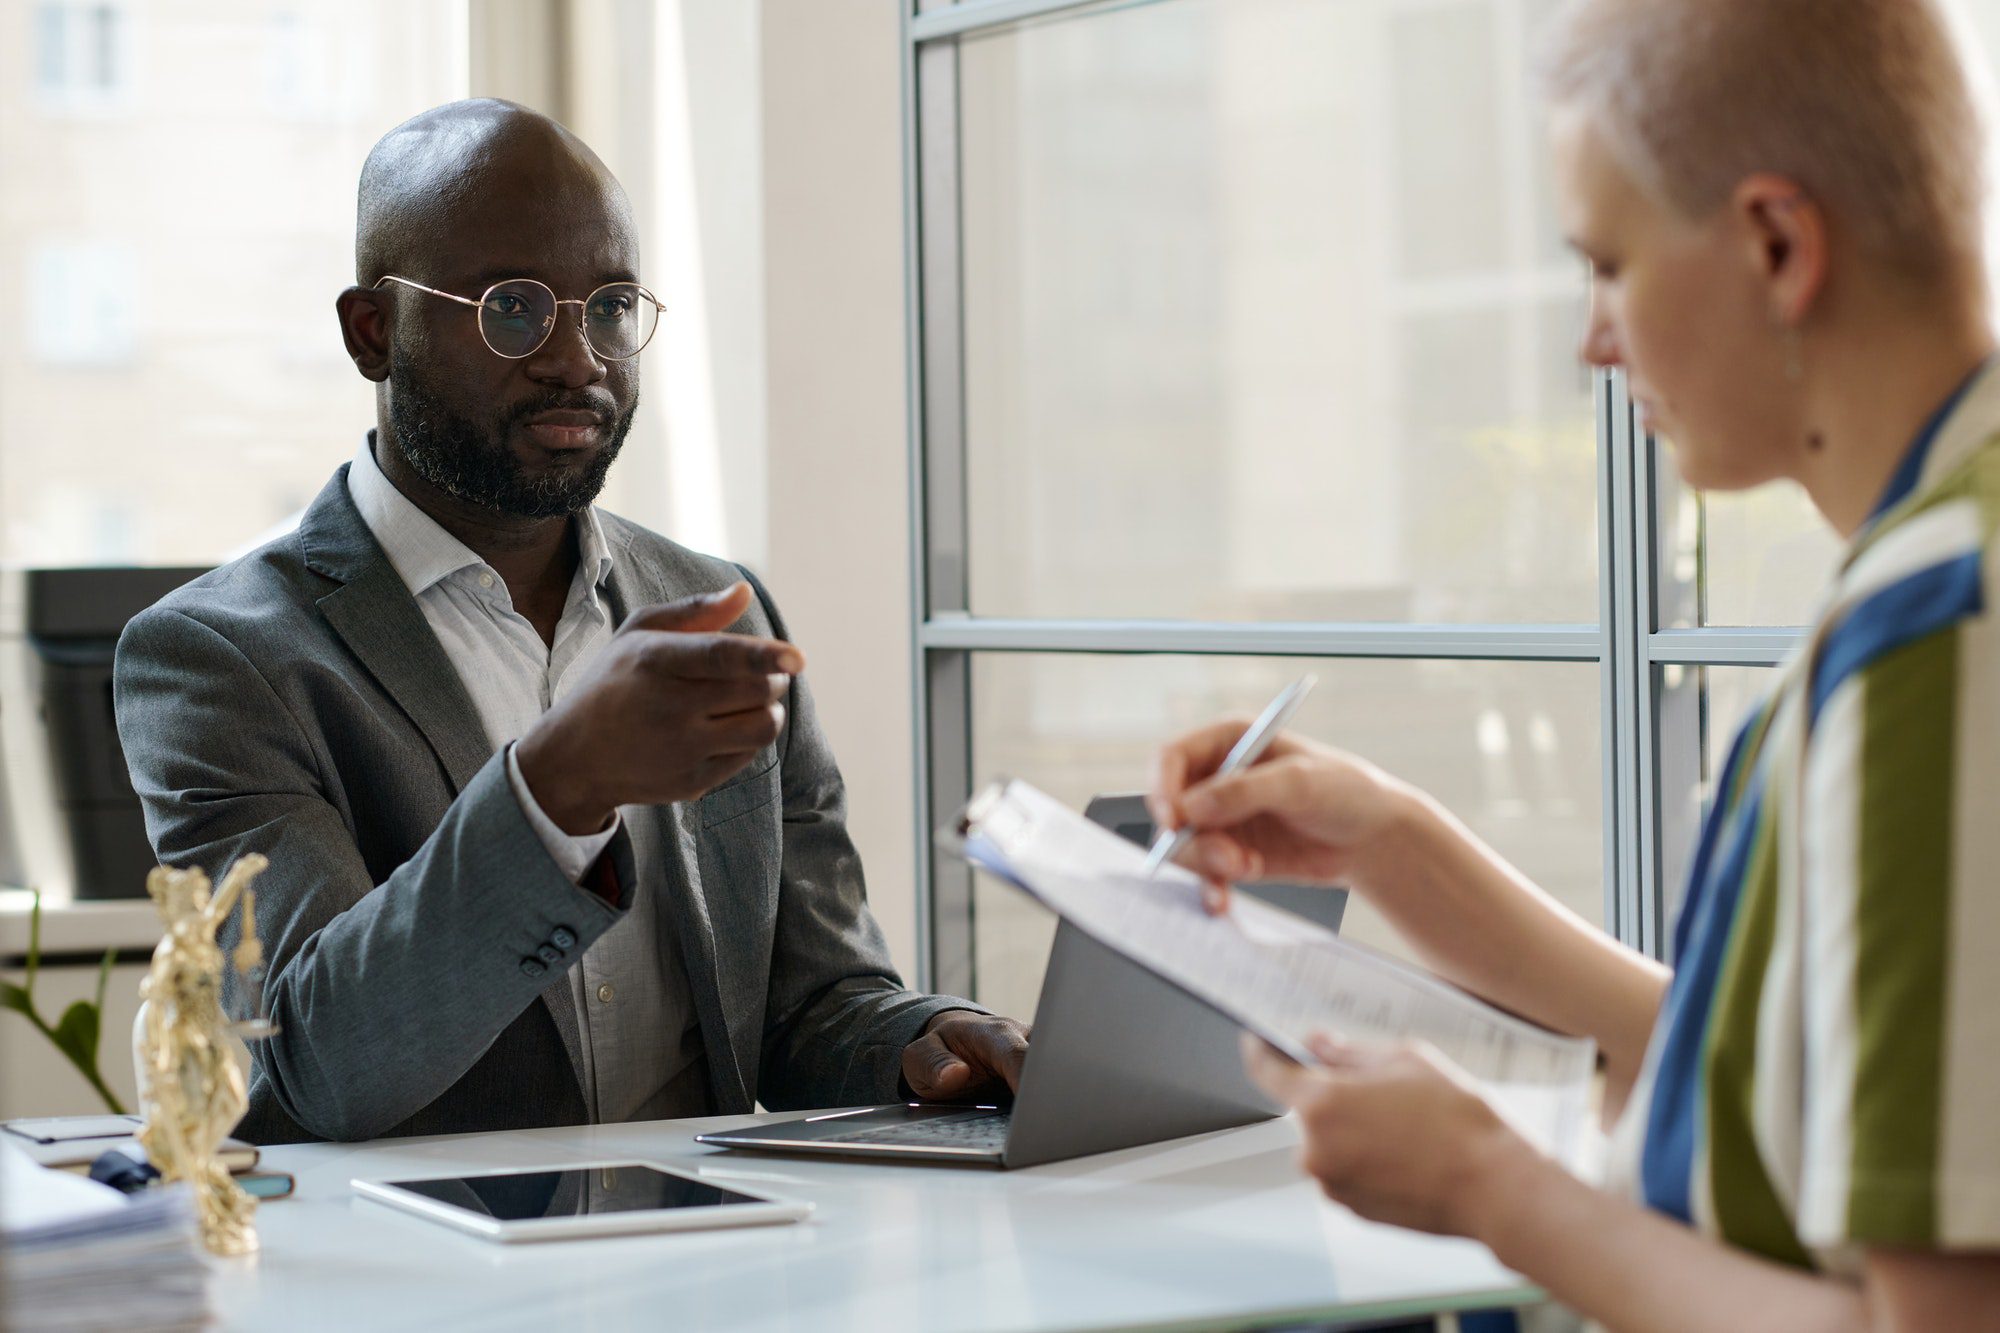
<point x="454" y="454"/>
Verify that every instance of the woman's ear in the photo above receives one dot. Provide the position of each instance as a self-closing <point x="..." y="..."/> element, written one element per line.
<point x="1785" y="232"/>
<point x="364" y="327"/>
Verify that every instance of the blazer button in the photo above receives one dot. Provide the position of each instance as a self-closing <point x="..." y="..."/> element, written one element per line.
<point x="532" y="967"/>
<point x="563" y="937"/>
<point x="548" y="953"/>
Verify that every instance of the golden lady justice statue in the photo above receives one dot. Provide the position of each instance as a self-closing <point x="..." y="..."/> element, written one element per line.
<point x="191" y="1085"/>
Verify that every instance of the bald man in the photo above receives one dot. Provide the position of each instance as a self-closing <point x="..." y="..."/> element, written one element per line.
<point x="555" y="836"/>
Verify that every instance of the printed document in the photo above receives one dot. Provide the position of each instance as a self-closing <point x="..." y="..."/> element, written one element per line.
<point x="1279" y="975"/>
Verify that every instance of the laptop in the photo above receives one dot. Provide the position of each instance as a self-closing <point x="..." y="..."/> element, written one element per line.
<point x="1119" y="1058"/>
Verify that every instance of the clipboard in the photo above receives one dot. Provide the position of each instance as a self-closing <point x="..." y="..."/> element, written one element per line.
<point x="1271" y="972"/>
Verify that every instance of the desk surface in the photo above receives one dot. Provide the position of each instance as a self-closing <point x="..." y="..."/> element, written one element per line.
<point x="1182" y="1235"/>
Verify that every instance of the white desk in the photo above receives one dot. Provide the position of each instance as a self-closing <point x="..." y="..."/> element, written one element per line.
<point x="1218" y="1229"/>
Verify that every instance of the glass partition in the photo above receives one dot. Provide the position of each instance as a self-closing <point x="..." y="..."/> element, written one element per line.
<point x="1513" y="748"/>
<point x="1264" y="319"/>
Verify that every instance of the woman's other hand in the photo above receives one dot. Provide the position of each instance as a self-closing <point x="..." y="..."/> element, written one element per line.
<point x="1396" y="1135"/>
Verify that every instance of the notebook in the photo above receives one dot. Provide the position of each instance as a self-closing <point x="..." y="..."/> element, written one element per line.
<point x="73" y="1142"/>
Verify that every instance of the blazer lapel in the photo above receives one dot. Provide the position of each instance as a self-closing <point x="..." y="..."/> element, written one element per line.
<point x="382" y="625"/>
<point x="633" y="585"/>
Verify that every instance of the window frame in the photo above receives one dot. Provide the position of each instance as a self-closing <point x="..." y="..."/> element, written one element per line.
<point x="1651" y="733"/>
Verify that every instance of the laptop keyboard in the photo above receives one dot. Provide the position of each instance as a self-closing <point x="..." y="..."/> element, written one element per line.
<point x="985" y="1130"/>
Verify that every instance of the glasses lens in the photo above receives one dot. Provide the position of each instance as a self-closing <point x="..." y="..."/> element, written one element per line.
<point x="620" y="319"/>
<point x="515" y="318"/>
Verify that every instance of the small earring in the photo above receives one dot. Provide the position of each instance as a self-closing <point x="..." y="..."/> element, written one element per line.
<point x="1795" y="356"/>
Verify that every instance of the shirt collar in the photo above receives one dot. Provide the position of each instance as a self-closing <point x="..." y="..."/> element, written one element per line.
<point x="593" y="553"/>
<point x="1911" y="473"/>
<point x="422" y="553"/>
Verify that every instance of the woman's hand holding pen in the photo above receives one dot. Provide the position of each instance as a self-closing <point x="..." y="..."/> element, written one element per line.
<point x="1309" y="814"/>
<point x="1392" y="1133"/>
<point x="1304" y="812"/>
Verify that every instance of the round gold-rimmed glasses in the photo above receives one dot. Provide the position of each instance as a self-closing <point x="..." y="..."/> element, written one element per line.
<point x="517" y="315"/>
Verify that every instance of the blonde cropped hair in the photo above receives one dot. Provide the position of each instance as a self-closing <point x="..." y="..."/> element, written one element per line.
<point x="1867" y="104"/>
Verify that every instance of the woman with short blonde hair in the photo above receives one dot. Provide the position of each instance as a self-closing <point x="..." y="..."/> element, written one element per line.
<point x="1780" y="202"/>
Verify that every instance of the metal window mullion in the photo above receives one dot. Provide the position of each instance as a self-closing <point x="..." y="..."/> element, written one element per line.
<point x="1680" y="697"/>
<point x="941" y="682"/>
<point x="951" y="944"/>
<point x="914" y="429"/>
<point x="1723" y="646"/>
<point x="1623" y="661"/>
<point x="950" y="21"/>
<point x="1511" y="643"/>
<point x="1648" y="569"/>
<point x="1607" y="621"/>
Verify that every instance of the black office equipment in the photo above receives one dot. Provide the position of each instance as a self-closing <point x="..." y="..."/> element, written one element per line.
<point x="64" y="766"/>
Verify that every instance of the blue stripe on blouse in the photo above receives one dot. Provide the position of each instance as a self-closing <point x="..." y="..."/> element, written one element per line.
<point x="1711" y="831"/>
<point x="1701" y="937"/>
<point x="1901" y="613"/>
<point x="1667" y="1166"/>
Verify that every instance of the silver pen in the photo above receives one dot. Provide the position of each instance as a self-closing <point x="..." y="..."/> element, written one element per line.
<point x="1249" y="747"/>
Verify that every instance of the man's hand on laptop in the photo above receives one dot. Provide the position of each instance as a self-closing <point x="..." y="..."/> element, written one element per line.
<point x="964" y="1057"/>
<point x="672" y="709"/>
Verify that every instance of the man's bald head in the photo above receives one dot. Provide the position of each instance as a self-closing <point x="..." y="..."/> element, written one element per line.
<point x="456" y="200"/>
<point x="426" y="180"/>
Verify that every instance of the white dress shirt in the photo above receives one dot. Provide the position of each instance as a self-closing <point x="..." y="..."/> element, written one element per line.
<point x="641" y="1046"/>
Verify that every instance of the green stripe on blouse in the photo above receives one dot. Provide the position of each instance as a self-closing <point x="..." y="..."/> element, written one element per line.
<point x="1901" y="946"/>
<point x="1747" y="1207"/>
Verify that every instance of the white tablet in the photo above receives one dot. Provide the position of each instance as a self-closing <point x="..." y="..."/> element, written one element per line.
<point x="600" y="1199"/>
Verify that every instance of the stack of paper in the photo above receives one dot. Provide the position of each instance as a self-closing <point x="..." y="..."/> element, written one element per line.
<point x="80" y="1255"/>
<point x="1279" y="975"/>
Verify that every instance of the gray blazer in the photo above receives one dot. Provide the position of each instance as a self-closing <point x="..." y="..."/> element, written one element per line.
<point x="296" y="703"/>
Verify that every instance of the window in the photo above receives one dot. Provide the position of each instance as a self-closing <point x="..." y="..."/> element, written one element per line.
<point x="1264" y="341"/>
<point x="1246" y="346"/>
<point x="1512" y="747"/>
<point x="1258" y="322"/>
<point x="176" y="265"/>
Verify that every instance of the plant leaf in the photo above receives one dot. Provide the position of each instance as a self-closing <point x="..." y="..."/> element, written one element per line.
<point x="104" y="976"/>
<point x="15" y="998"/>
<point x="34" y="941"/>
<point x="76" y="1034"/>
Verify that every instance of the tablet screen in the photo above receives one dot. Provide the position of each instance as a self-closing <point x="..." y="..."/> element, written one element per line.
<point x="622" y="1188"/>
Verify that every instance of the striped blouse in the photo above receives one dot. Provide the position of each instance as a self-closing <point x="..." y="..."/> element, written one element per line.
<point x="1825" y="1075"/>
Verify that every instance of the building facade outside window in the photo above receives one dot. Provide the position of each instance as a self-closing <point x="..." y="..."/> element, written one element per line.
<point x="81" y="53"/>
<point x="176" y="384"/>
